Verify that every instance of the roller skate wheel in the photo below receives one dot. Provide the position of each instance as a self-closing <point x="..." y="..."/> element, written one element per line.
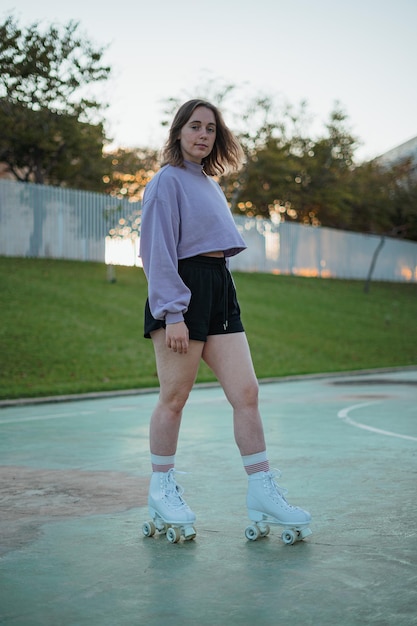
<point x="173" y="534"/>
<point x="252" y="533"/>
<point x="289" y="537"/>
<point x="189" y="533"/>
<point x="149" y="529"/>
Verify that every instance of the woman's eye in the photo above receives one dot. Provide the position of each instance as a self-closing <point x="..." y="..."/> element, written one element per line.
<point x="198" y="127"/>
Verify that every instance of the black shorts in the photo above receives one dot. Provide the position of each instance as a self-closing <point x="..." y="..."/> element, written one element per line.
<point x="213" y="308"/>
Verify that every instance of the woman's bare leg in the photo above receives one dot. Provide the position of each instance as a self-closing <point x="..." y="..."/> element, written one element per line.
<point x="177" y="373"/>
<point x="229" y="358"/>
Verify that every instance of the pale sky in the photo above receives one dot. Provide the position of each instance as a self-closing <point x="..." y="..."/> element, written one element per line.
<point x="361" y="53"/>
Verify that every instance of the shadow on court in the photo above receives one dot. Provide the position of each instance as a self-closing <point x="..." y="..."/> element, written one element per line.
<point x="74" y="477"/>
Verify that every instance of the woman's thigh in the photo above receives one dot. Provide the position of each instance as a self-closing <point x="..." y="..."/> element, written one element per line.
<point x="229" y="357"/>
<point x="176" y="372"/>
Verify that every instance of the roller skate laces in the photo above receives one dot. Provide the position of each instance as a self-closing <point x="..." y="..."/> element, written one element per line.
<point x="171" y="495"/>
<point x="277" y="493"/>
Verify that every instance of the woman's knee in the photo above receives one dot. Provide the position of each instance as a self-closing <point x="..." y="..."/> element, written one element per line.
<point x="174" y="401"/>
<point x="252" y="392"/>
<point x="247" y="395"/>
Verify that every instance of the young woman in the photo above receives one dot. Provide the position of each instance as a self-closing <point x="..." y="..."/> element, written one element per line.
<point x="192" y="312"/>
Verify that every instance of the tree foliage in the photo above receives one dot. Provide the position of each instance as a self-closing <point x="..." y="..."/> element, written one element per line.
<point x="51" y="128"/>
<point x="401" y="190"/>
<point x="128" y="170"/>
<point x="300" y="178"/>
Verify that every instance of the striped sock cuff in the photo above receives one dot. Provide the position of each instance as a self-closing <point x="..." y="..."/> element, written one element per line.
<point x="256" y="463"/>
<point x="162" y="463"/>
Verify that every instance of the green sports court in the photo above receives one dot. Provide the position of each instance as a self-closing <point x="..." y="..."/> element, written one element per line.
<point x="74" y="475"/>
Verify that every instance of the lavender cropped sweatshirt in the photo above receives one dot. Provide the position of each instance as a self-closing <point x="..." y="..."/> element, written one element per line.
<point x="184" y="213"/>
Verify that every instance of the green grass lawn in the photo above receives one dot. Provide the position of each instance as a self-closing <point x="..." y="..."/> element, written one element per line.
<point x="65" y="329"/>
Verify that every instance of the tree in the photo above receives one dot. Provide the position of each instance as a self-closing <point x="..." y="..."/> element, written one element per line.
<point x="128" y="170"/>
<point x="300" y="178"/>
<point x="402" y="197"/>
<point x="49" y="124"/>
<point x="367" y="208"/>
<point x="383" y="199"/>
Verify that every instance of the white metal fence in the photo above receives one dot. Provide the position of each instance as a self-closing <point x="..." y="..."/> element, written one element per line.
<point x="292" y="248"/>
<point x="51" y="222"/>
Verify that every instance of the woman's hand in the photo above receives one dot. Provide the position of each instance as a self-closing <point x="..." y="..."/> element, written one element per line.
<point x="177" y="338"/>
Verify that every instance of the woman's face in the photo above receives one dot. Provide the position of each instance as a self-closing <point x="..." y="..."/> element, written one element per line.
<point x="198" y="135"/>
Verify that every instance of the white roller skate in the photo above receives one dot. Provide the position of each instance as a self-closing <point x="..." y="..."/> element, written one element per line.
<point x="169" y="511"/>
<point x="267" y="505"/>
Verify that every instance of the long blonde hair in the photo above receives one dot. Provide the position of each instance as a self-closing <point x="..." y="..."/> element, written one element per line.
<point x="227" y="153"/>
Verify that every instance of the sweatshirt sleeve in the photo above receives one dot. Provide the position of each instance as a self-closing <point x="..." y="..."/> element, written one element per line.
<point x="168" y="296"/>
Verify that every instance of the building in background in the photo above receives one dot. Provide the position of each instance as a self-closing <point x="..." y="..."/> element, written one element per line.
<point x="407" y="150"/>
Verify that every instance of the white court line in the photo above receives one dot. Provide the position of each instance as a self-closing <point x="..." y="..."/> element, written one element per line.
<point x="343" y="414"/>
<point x="34" y="418"/>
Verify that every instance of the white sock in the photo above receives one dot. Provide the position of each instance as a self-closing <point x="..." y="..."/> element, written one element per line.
<point x="162" y="463"/>
<point x="257" y="462"/>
